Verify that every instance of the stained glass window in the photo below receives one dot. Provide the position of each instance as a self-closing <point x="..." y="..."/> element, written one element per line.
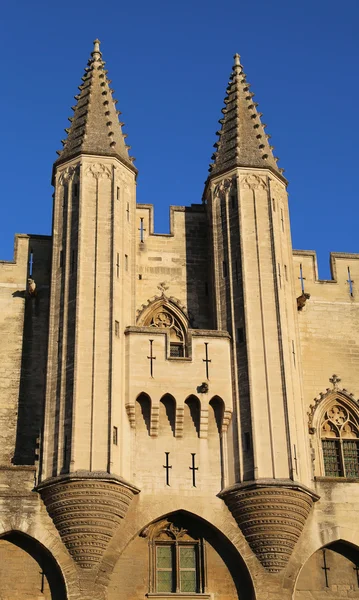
<point x="340" y="442"/>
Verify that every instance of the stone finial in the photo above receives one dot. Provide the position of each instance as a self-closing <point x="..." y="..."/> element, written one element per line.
<point x="334" y="380"/>
<point x="237" y="60"/>
<point x="96" y="53"/>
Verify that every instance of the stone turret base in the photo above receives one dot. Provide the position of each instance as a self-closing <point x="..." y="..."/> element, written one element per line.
<point x="86" y="509"/>
<point x="271" y="515"/>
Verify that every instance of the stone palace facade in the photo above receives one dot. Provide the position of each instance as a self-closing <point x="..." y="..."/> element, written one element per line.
<point x="179" y="412"/>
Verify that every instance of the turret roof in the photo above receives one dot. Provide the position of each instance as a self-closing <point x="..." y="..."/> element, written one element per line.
<point x="95" y="127"/>
<point x="242" y="139"/>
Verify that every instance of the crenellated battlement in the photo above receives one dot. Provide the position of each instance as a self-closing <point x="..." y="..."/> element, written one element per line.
<point x="177" y="216"/>
<point x="26" y="248"/>
<point x="344" y="284"/>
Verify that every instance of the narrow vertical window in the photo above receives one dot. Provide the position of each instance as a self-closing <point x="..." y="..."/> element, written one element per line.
<point x="117" y="193"/>
<point x="128" y="212"/>
<point x="31" y="262"/>
<point x="140" y="275"/>
<point x="117" y="265"/>
<point x="76" y="190"/>
<point x="115" y="436"/>
<point x="117" y="329"/>
<point x="233" y="201"/>
<point x="224" y="269"/>
<point x="126" y="262"/>
<point x="282" y="218"/>
<point x="286" y="272"/>
<point x="279" y="276"/>
<point x="273" y="204"/>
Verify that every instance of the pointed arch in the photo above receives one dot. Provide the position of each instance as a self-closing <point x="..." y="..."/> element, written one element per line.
<point x="41" y="574"/>
<point x="192" y="414"/>
<point x="217" y="406"/>
<point x="334" y="421"/>
<point x="167" y="413"/>
<point x="165" y="313"/>
<point x="214" y="551"/>
<point x="143" y="412"/>
<point x="329" y="565"/>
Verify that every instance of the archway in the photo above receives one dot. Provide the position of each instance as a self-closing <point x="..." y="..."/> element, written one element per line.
<point x="331" y="572"/>
<point x="181" y="553"/>
<point x="28" y="570"/>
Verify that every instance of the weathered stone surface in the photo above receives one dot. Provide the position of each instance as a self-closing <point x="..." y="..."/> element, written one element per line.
<point x="271" y="517"/>
<point x="86" y="511"/>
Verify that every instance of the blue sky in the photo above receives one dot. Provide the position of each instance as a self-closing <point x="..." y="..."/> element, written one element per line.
<point x="169" y="63"/>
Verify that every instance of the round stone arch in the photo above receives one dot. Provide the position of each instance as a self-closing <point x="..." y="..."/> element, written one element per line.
<point x="29" y="569"/>
<point x="227" y="573"/>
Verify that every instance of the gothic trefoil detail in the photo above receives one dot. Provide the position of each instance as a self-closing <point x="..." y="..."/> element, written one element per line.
<point x="242" y="139"/>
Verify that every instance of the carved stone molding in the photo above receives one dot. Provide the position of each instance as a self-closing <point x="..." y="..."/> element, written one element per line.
<point x="155" y="419"/>
<point x="253" y="182"/>
<point x="98" y="171"/>
<point x="86" y="512"/>
<point x="151" y="303"/>
<point x="67" y="174"/>
<point x="131" y="413"/>
<point x="225" y="187"/>
<point x="227" y="415"/>
<point x="203" y="423"/>
<point x="179" y="421"/>
<point x="342" y="394"/>
<point x="271" y="516"/>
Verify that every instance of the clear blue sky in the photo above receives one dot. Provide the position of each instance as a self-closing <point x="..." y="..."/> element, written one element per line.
<point x="169" y="63"/>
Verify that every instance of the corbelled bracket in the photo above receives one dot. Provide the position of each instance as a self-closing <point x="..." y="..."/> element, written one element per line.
<point x="271" y="515"/>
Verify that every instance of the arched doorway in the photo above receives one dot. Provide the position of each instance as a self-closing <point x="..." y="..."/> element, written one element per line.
<point x="28" y="570"/>
<point x="180" y="554"/>
<point x="331" y="572"/>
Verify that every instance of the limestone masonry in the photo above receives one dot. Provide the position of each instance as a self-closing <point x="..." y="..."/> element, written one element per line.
<point x="179" y="413"/>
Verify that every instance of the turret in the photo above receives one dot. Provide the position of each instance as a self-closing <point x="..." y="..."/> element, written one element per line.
<point x="92" y="299"/>
<point x="255" y="301"/>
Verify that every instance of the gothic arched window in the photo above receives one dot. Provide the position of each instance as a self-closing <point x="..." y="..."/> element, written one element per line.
<point x="339" y="434"/>
<point x="177" y="560"/>
<point x="165" y="318"/>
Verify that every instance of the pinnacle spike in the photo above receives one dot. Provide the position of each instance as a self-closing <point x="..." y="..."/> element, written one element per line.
<point x="240" y="137"/>
<point x="89" y="132"/>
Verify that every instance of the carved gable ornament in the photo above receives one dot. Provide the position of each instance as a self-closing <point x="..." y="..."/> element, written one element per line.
<point x="253" y="182"/>
<point x="322" y="402"/>
<point x="225" y="187"/>
<point x="67" y="174"/>
<point x="98" y="171"/>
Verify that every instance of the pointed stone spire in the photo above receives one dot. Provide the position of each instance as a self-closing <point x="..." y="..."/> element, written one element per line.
<point x="242" y="139"/>
<point x="95" y="128"/>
